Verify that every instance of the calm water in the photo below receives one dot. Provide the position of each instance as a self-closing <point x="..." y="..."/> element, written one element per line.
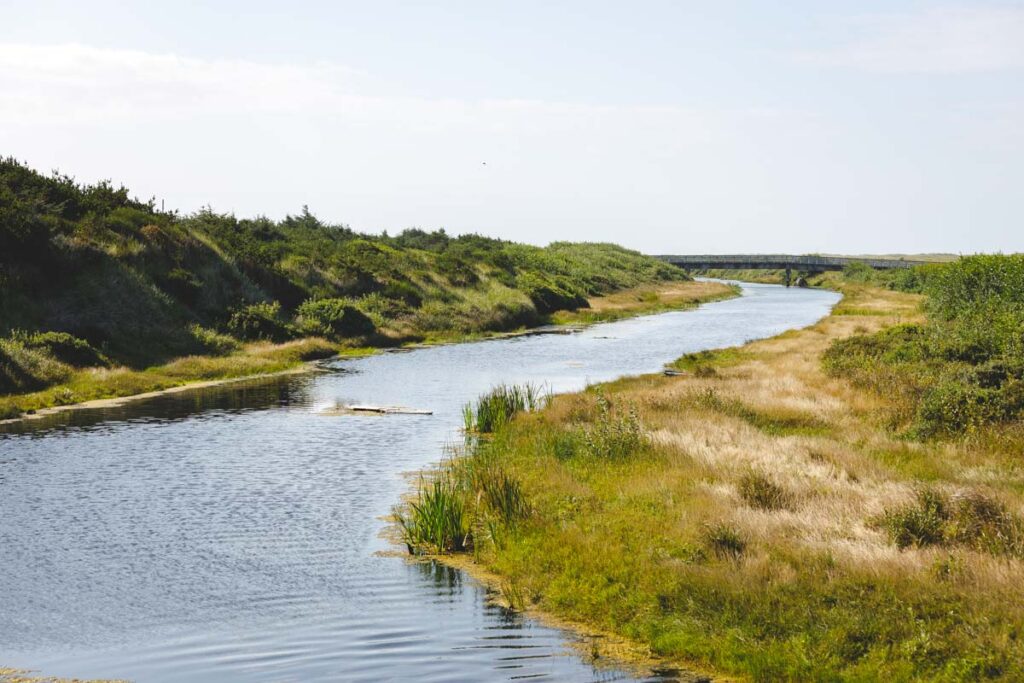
<point x="230" y="534"/>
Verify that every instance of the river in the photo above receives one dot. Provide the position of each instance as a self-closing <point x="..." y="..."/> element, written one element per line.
<point x="232" y="533"/>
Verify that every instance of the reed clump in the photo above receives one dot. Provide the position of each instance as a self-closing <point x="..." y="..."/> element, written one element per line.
<point x="497" y="407"/>
<point x="472" y="496"/>
<point x="436" y="520"/>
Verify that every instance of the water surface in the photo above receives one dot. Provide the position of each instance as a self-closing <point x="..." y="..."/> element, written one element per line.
<point x="231" y="534"/>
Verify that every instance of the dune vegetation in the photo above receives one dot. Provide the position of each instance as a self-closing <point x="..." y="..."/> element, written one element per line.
<point x="104" y="295"/>
<point x="842" y="502"/>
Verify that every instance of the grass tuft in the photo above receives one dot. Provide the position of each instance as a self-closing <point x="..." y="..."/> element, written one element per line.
<point x="759" y="491"/>
<point x="724" y="541"/>
<point x="971" y="519"/>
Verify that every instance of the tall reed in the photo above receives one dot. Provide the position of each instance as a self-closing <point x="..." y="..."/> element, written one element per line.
<point x="500" y="405"/>
<point x="437" y="520"/>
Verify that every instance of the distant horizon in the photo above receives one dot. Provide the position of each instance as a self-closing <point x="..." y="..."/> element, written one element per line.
<point x="874" y="127"/>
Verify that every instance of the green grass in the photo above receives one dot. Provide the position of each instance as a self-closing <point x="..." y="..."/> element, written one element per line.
<point x="707" y="362"/>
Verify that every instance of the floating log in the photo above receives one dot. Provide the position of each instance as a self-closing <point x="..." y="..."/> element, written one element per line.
<point x="389" y="410"/>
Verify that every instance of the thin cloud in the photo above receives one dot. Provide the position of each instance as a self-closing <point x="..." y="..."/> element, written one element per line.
<point x="951" y="40"/>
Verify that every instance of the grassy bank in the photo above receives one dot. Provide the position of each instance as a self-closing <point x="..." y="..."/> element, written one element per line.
<point x="75" y="385"/>
<point x="765" y="515"/>
<point x="646" y="300"/>
<point x="101" y="293"/>
<point x="91" y="384"/>
<point x="9" y="675"/>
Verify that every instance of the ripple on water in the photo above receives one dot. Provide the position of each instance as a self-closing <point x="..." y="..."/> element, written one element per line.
<point x="229" y="534"/>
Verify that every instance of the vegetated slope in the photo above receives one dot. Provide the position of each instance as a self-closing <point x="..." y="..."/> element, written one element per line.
<point x="127" y="284"/>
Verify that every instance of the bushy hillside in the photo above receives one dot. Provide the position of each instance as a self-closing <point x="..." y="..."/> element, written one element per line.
<point x="131" y="285"/>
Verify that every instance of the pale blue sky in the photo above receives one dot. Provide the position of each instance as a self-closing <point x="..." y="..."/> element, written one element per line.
<point x="665" y="126"/>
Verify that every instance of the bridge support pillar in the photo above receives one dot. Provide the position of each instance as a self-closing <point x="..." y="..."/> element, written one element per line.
<point x="789" y="276"/>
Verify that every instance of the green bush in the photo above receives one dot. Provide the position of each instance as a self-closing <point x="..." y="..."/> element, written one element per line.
<point x="615" y="434"/>
<point x="214" y="342"/>
<point x="65" y="347"/>
<point x="260" y="322"/>
<point x="972" y="519"/>
<point x="23" y="368"/>
<point x="548" y="295"/>
<point x="183" y="285"/>
<point x="963" y="369"/>
<point x="334" y="318"/>
<point x="403" y="291"/>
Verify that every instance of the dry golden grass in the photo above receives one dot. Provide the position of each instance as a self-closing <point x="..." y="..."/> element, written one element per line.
<point x="677" y="549"/>
<point x="835" y="471"/>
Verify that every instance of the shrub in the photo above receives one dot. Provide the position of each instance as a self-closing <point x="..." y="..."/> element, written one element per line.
<point x="334" y="318"/>
<point x="971" y="519"/>
<point x="403" y="291"/>
<point x="549" y="296"/>
<point x="459" y="271"/>
<point x="855" y="271"/>
<point x="23" y="368"/>
<point x="65" y="347"/>
<point x="917" y="524"/>
<point x="183" y="285"/>
<point x="214" y="342"/>
<point x="615" y="435"/>
<point x="758" y="491"/>
<point x="260" y="322"/>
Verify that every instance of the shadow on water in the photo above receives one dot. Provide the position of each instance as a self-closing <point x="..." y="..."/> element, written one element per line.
<point x="233" y="397"/>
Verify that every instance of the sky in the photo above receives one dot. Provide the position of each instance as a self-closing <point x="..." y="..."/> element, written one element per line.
<point x="668" y="127"/>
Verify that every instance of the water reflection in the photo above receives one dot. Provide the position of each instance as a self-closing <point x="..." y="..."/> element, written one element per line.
<point x="226" y="399"/>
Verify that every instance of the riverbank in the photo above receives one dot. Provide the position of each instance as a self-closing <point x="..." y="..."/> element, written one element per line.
<point x="740" y="517"/>
<point x="8" y="675"/>
<point x="104" y="387"/>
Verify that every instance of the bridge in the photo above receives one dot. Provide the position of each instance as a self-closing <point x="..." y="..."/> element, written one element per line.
<point x="809" y="263"/>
